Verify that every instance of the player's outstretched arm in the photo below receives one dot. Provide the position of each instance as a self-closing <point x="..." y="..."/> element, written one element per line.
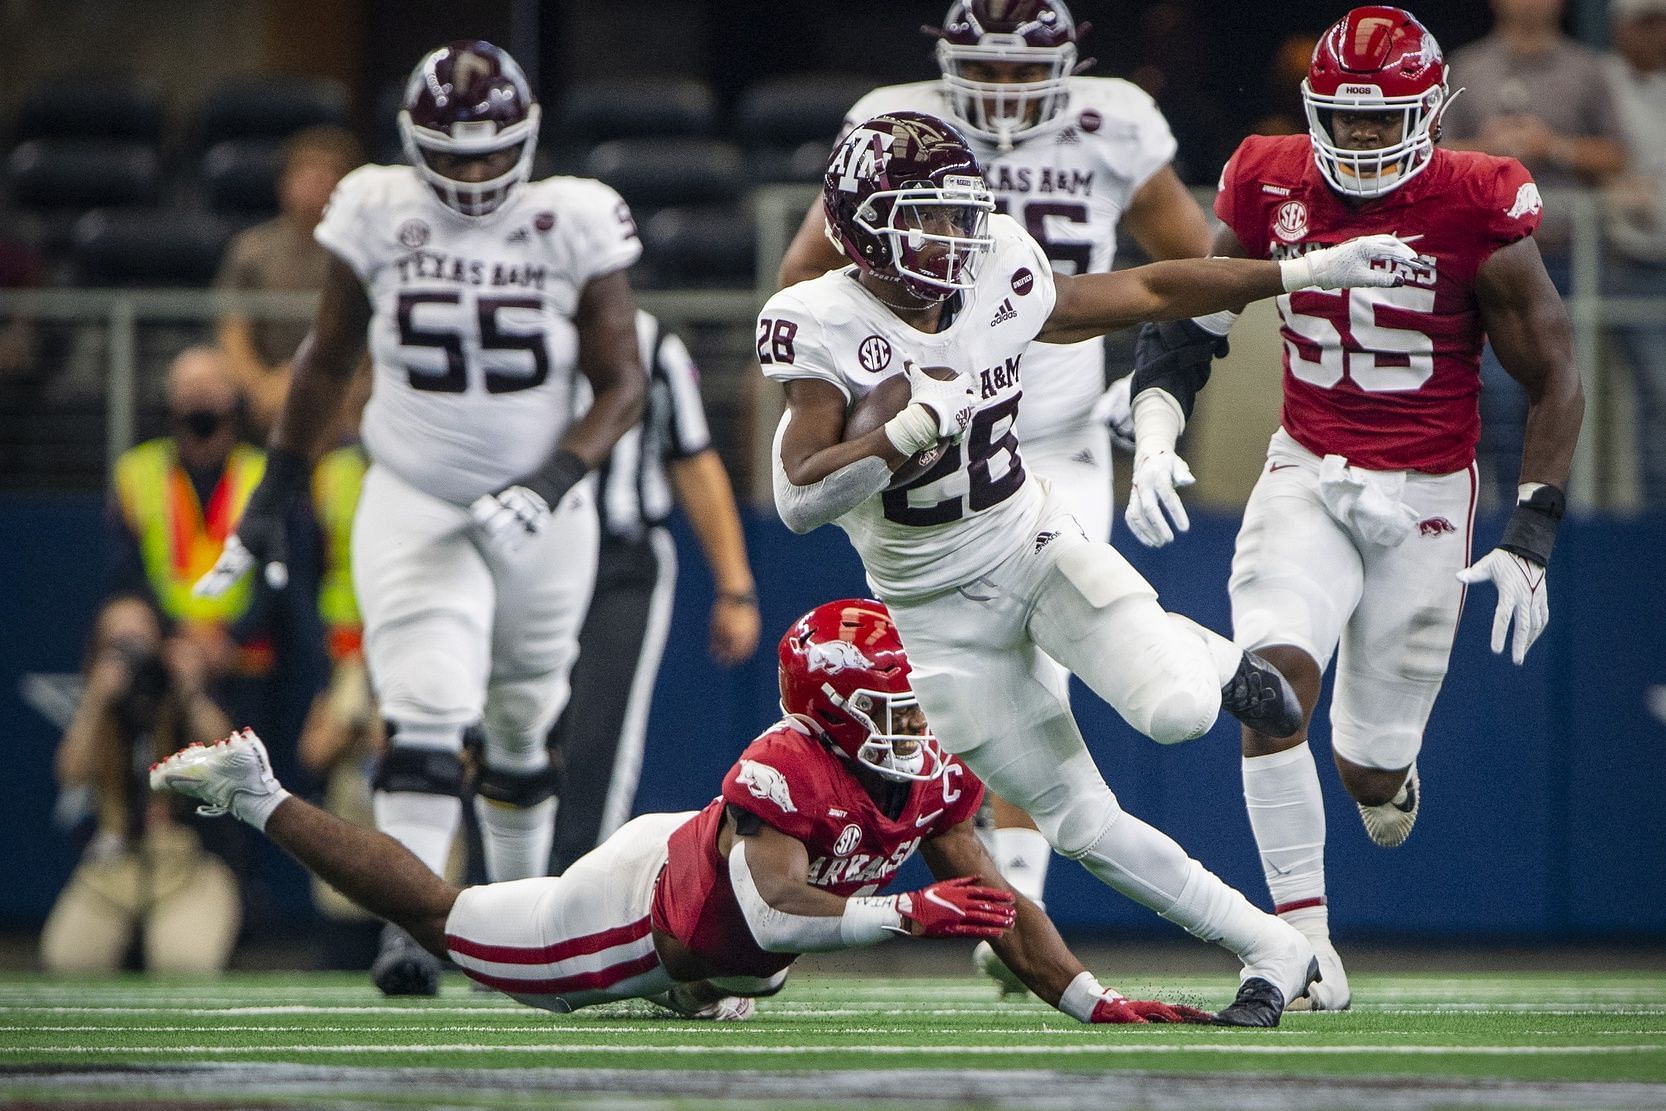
<point x="1033" y="948"/>
<point x="322" y="371"/>
<point x="1092" y="304"/>
<point x="769" y="872"/>
<point x="1528" y="325"/>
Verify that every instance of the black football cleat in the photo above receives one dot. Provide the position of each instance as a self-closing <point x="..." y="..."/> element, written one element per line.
<point x="1259" y="1002"/>
<point x="1259" y="696"/>
<point x="403" y="967"/>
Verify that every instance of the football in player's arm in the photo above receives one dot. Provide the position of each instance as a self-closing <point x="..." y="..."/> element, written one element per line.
<point x="702" y="911"/>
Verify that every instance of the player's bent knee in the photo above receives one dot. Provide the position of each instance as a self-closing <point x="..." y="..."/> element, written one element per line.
<point x="520" y="789"/>
<point x="1180" y="715"/>
<point x="1077" y="826"/>
<point x="425" y="771"/>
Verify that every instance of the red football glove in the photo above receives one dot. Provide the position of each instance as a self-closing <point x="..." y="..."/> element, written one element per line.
<point x="1119" y="1010"/>
<point x="957" y="908"/>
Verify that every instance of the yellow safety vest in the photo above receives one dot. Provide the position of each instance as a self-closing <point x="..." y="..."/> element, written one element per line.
<point x="179" y="538"/>
<point x="336" y="483"/>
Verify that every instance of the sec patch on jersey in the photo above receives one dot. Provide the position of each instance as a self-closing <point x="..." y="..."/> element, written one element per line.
<point x="882" y="403"/>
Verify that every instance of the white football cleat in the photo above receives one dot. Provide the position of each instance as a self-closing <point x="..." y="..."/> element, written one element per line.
<point x="683" y="999"/>
<point x="233" y="776"/>
<point x="1330" y="992"/>
<point x="985" y="960"/>
<point x="1390" y="823"/>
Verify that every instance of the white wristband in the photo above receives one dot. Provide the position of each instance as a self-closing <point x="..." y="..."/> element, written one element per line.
<point x="256" y="809"/>
<point x="869" y="919"/>
<point x="1083" y="995"/>
<point x="1217" y="323"/>
<point x="1296" y="273"/>
<point x="912" y="430"/>
<point x="1158" y="421"/>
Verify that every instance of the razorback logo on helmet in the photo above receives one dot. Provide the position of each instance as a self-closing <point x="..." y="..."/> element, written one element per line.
<point x="833" y="656"/>
<point x="1526" y="203"/>
<point x="1290" y="223"/>
<point x="766" y="783"/>
<point x="861" y="157"/>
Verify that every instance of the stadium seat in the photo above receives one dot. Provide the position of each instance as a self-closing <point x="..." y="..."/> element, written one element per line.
<point x="596" y="111"/>
<point x="147" y="247"/>
<point x="658" y="173"/>
<point x="91" y="108"/>
<point x="784" y="112"/>
<point x="82" y="173"/>
<point x="239" y="177"/>
<point x="269" y="108"/>
<point x="709" y="247"/>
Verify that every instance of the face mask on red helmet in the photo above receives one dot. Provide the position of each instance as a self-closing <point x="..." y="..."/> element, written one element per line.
<point x="469" y="100"/>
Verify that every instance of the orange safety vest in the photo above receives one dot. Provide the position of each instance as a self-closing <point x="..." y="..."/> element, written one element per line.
<point x="336" y="483"/>
<point x="178" y="538"/>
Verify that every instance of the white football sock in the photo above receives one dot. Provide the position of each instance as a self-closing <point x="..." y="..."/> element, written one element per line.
<point x="425" y="824"/>
<point x="1022" y="854"/>
<point x="1287" y="814"/>
<point x="516" y="840"/>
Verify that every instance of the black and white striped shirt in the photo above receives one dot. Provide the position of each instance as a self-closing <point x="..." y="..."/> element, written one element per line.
<point x="633" y="490"/>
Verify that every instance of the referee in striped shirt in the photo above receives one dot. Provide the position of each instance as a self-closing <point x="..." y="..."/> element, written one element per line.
<point x="599" y="739"/>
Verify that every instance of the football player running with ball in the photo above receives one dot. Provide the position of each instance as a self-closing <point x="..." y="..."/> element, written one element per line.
<point x="989" y="578"/>
<point x="1356" y="540"/>
<point x="474" y="544"/>
<point x="702" y="911"/>
<point x="1072" y="158"/>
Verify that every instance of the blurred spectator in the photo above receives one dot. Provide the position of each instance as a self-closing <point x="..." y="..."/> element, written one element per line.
<point x="1637" y="224"/>
<point x="1531" y="93"/>
<point x="145" y="868"/>
<point x="1283" y="112"/>
<point x="282" y="255"/>
<point x="599" y="738"/>
<point x="175" y="500"/>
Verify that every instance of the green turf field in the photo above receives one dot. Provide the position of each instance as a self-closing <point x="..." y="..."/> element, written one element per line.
<point x="1529" y="1040"/>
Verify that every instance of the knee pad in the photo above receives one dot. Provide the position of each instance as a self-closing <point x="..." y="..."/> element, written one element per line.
<point x="519" y="714"/>
<point x="1176" y="695"/>
<point x="427" y="684"/>
<point x="1180" y="715"/>
<point x="425" y="771"/>
<point x="520" y="789"/>
<point x="1075" y="821"/>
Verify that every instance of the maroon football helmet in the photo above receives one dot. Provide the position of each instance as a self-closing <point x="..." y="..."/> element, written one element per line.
<point x="468" y="98"/>
<point x="904" y="199"/>
<point x="1008" y="32"/>
<point x="1375" y="59"/>
<point x="844" y="672"/>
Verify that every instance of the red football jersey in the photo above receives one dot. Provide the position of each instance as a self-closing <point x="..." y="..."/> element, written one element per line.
<point x="1388" y="378"/>
<point x="790" y="781"/>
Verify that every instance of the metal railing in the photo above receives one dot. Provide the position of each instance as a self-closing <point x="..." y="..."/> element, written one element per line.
<point x="745" y="412"/>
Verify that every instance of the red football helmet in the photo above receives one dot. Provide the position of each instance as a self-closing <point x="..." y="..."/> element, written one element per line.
<point x="844" y="671"/>
<point x="1375" y="59"/>
<point x="904" y="198"/>
<point x="1007" y="32"/>
<point x="468" y="98"/>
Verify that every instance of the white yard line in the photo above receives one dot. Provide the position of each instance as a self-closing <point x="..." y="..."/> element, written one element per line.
<point x="879" y="1050"/>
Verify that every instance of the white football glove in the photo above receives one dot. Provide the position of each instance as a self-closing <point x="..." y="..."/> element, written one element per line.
<point x="1523" y="596"/>
<point x="1115" y="410"/>
<point x="1157" y="477"/>
<point x="235" y="561"/>
<point x="510" y="517"/>
<point x="1366" y="261"/>
<point x="951" y="402"/>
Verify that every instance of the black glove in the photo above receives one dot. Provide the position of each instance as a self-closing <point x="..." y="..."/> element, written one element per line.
<point x="262" y="533"/>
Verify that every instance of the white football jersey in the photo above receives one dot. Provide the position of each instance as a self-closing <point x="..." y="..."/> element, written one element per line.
<point x="1068" y="186"/>
<point x="472" y="338"/>
<point x="968" y="512"/>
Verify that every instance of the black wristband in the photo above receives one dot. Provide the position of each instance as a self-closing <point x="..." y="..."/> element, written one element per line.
<point x="1531" y="531"/>
<point x="284" y="480"/>
<point x="1176" y="357"/>
<point x="561" y="472"/>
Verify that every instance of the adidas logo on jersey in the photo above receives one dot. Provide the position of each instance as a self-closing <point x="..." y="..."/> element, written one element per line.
<point x="1042" y="539"/>
<point x="519" y="235"/>
<point x="1068" y="136"/>
<point x="1085" y="456"/>
<point x="1005" y="313"/>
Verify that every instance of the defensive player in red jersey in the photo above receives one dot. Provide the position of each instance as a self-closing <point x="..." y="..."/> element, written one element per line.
<point x="1358" y="531"/>
<point x="703" y="911"/>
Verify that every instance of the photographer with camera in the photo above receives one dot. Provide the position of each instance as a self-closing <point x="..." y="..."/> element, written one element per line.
<point x="146" y="867"/>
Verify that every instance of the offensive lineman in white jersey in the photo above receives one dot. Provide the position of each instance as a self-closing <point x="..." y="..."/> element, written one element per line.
<point x="474" y="545"/>
<point x="1070" y="158"/>
<point x="988" y="578"/>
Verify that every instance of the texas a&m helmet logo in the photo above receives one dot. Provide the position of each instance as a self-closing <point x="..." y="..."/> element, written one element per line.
<point x="1290" y="224"/>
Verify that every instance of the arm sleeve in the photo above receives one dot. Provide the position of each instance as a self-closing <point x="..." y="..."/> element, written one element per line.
<point x="342" y="230"/>
<point x="604" y="230"/>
